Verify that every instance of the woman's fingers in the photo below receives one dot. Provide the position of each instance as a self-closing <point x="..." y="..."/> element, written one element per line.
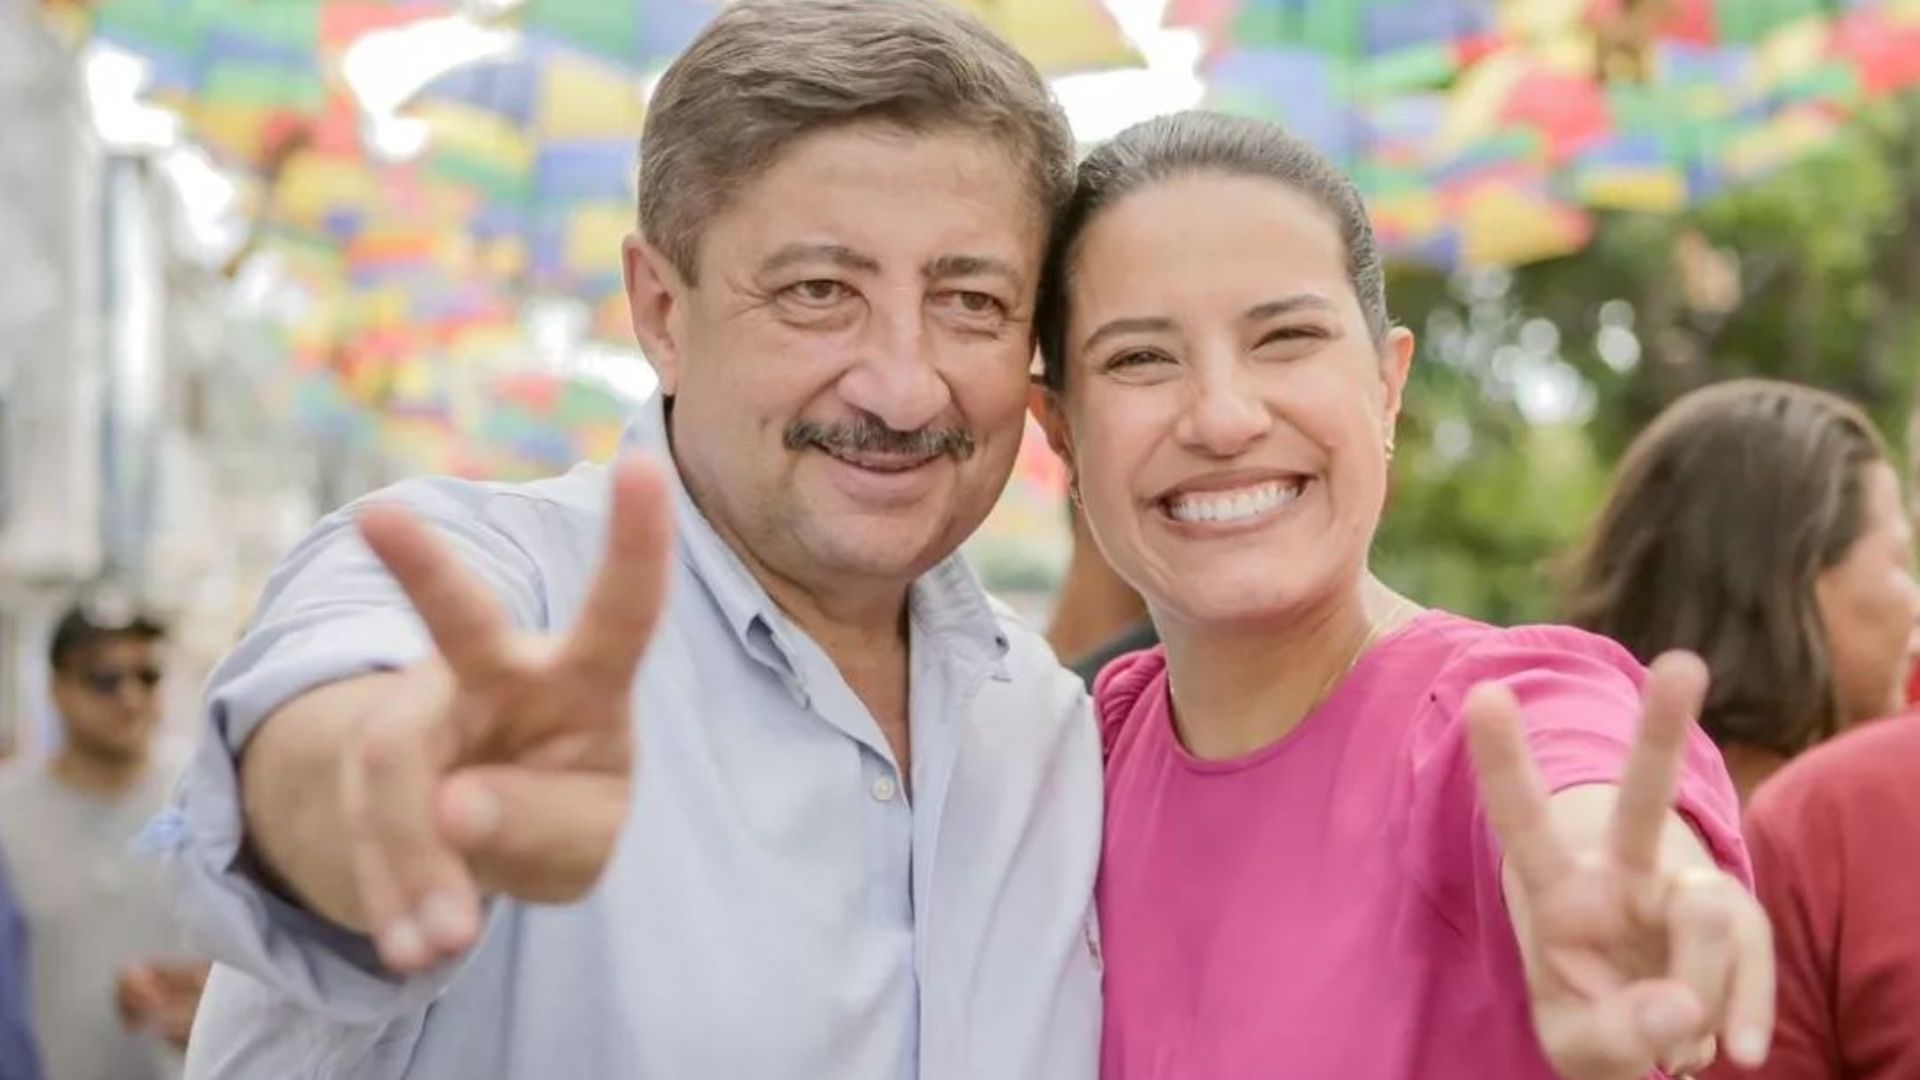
<point x="1701" y="947"/>
<point x="1676" y="687"/>
<point x="1510" y="786"/>
<point x="1748" y="1031"/>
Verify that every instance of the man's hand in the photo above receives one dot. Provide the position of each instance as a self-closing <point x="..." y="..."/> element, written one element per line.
<point x="501" y="765"/>
<point x="1634" y="963"/>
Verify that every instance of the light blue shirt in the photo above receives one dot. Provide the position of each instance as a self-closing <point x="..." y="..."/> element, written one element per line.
<point x="777" y="907"/>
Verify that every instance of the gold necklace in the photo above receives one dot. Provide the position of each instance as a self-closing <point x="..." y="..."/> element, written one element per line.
<point x="1376" y="628"/>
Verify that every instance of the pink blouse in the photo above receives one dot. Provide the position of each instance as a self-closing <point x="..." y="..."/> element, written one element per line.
<point x="1330" y="906"/>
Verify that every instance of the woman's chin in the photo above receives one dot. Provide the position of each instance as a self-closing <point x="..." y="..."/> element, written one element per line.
<point x="1233" y="606"/>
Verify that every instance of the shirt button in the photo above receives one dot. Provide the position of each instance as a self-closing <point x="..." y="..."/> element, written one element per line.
<point x="883" y="789"/>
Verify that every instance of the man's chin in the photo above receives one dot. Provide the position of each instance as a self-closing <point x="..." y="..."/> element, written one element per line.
<point x="881" y="547"/>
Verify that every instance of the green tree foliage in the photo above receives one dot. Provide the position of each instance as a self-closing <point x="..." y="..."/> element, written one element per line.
<point x="1530" y="383"/>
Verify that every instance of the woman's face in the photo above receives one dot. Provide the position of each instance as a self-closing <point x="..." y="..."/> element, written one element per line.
<point x="1869" y="604"/>
<point x="1226" y="409"/>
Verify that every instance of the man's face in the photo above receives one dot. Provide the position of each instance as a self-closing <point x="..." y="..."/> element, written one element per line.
<point x="849" y="374"/>
<point x="108" y="697"/>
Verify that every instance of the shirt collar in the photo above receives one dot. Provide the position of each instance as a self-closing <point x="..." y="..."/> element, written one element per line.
<point x="947" y="602"/>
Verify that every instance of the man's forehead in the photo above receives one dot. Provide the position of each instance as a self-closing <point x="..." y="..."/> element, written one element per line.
<point x="956" y="264"/>
<point x="895" y="199"/>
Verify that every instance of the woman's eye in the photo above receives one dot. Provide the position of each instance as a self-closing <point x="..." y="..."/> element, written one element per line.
<point x="1134" y="358"/>
<point x="1292" y="334"/>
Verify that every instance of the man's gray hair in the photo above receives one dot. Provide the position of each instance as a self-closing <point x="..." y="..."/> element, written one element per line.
<point x="766" y="73"/>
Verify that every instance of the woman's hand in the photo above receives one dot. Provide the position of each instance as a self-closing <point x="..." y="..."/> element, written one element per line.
<point x="1637" y="958"/>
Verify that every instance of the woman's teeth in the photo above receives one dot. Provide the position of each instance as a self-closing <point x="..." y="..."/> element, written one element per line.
<point x="1228" y="506"/>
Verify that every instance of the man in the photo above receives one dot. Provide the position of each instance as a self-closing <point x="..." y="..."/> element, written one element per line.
<point x="861" y="834"/>
<point x="1833" y="836"/>
<point x="96" y="912"/>
<point x="19" y="1056"/>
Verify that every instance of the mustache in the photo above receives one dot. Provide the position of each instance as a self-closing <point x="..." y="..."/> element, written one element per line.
<point x="869" y="436"/>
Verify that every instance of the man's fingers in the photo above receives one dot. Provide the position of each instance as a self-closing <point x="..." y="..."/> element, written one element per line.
<point x="465" y="620"/>
<point x="1748" y="1031"/>
<point x="629" y="590"/>
<point x="383" y="905"/>
<point x="1676" y="688"/>
<point x="535" y="834"/>
<point x="1701" y="916"/>
<point x="418" y="896"/>
<point x="1510" y="785"/>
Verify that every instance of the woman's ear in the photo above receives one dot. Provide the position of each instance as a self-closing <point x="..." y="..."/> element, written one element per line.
<point x="1396" y="363"/>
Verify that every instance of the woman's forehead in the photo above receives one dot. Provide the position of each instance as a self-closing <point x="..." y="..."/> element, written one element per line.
<point x="1230" y="238"/>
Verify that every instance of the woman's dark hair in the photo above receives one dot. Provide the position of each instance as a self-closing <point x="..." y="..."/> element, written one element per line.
<point x="1723" y="514"/>
<point x="1186" y="144"/>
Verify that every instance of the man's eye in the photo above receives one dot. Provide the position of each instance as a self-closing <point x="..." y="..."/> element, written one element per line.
<point x="973" y="304"/>
<point x="819" y="292"/>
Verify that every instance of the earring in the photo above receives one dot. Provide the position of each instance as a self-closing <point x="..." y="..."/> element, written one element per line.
<point x="1390" y="447"/>
<point x="1073" y="493"/>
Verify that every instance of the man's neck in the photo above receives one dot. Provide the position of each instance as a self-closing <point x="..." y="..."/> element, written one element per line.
<point x="866" y="638"/>
<point x="98" y="776"/>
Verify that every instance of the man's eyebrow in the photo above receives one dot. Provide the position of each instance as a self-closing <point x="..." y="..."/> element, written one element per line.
<point x="953" y="266"/>
<point x="838" y="255"/>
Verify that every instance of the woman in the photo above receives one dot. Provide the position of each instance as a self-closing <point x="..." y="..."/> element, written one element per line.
<point x="1761" y="524"/>
<point x="1301" y="877"/>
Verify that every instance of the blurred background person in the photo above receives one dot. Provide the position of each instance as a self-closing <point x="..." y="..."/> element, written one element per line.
<point x="19" y="1057"/>
<point x="1833" y="837"/>
<point x="1761" y="525"/>
<point x="1097" y="616"/>
<point x="111" y="990"/>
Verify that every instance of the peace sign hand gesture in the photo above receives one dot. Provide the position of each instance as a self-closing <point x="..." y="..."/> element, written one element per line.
<point x="1635" y="960"/>
<point x="510" y="772"/>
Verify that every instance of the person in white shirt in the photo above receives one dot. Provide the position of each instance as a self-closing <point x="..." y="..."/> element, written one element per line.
<point x="776" y="791"/>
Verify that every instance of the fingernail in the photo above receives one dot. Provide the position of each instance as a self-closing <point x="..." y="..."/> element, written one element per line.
<point x="1748" y="1046"/>
<point x="402" y="944"/>
<point x="479" y="813"/>
<point x="445" y="920"/>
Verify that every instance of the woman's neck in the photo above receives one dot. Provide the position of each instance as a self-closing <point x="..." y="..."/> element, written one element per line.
<point x="1236" y="690"/>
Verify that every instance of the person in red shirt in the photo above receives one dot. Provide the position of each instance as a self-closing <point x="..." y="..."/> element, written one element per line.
<point x="1833" y="838"/>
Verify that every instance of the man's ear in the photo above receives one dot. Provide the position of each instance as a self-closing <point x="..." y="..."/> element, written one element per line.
<point x="656" y="301"/>
<point x="1044" y="404"/>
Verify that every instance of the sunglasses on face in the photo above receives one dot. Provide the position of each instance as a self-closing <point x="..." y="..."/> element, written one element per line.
<point x="106" y="682"/>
